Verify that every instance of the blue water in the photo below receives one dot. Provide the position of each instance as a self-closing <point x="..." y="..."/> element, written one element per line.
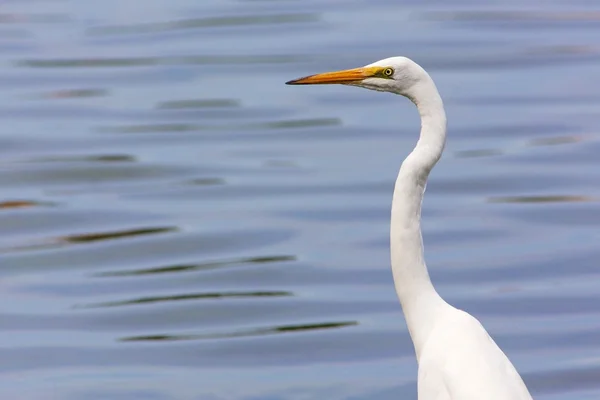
<point x="176" y="223"/>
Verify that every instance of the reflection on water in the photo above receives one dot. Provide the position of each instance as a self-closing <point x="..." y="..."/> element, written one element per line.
<point x="197" y="23"/>
<point x="249" y="332"/>
<point x="260" y="126"/>
<point x="555" y="140"/>
<point x="23" y="203"/>
<point x="194" y="296"/>
<point x="200" y="266"/>
<point x="539" y="199"/>
<point x="478" y="153"/>
<point x="172" y="215"/>
<point x="74" y="93"/>
<point x="521" y="15"/>
<point x="158" y="61"/>
<point x="199" y="103"/>
<point x="93" y="237"/>
<point x="103" y="158"/>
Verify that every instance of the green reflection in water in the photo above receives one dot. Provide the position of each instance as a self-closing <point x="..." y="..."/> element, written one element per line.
<point x="165" y="128"/>
<point x="556" y="140"/>
<point x="95" y="237"/>
<point x="207" y="181"/>
<point x="189" y="296"/>
<point x="89" y="62"/>
<point x="197" y="23"/>
<point x="547" y="141"/>
<point x="170" y="128"/>
<point x="540" y="199"/>
<point x="150" y="61"/>
<point x="301" y="123"/>
<point x="198" y="266"/>
<point x="208" y="103"/>
<point x="478" y="153"/>
<point x="103" y="158"/>
<point x="86" y="237"/>
<point x="243" y="333"/>
<point x="512" y="16"/>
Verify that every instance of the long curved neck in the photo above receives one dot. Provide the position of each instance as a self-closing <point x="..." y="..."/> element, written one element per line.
<point x="417" y="295"/>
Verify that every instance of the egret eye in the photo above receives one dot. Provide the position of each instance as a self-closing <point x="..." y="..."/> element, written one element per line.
<point x="388" y="72"/>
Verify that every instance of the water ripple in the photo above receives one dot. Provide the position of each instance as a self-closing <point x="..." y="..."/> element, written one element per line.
<point x="239" y="334"/>
<point x="197" y="23"/>
<point x="172" y="215"/>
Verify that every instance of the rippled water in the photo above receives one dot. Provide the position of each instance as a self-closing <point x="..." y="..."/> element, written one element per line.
<point x="176" y="223"/>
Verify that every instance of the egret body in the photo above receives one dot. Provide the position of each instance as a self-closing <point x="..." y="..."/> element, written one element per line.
<point x="457" y="358"/>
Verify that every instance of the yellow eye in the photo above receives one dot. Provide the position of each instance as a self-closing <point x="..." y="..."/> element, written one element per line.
<point x="388" y="72"/>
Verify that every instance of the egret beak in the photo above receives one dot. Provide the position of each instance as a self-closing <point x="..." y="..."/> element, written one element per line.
<point x="346" y="76"/>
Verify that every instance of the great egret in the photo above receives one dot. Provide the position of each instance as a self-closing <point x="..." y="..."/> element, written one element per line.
<point x="457" y="358"/>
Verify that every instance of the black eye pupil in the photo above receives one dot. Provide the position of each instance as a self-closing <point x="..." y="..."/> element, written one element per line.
<point x="389" y="72"/>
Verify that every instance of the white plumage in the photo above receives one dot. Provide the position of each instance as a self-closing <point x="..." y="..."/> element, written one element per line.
<point x="457" y="358"/>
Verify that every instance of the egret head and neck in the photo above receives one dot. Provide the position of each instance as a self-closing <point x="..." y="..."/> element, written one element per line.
<point x="403" y="76"/>
<point x="399" y="75"/>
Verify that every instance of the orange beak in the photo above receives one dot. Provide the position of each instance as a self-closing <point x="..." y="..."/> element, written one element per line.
<point x="345" y="76"/>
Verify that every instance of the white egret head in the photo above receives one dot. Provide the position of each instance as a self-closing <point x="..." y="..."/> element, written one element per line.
<point x="399" y="75"/>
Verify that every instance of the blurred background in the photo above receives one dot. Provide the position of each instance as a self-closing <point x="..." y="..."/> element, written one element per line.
<point x="176" y="223"/>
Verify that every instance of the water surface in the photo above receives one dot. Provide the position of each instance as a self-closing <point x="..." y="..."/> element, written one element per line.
<point x="176" y="223"/>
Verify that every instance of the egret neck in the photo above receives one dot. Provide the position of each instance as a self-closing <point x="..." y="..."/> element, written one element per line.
<point x="418" y="297"/>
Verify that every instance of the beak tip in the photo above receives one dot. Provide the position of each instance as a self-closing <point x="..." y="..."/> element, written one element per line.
<point x="294" y="82"/>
